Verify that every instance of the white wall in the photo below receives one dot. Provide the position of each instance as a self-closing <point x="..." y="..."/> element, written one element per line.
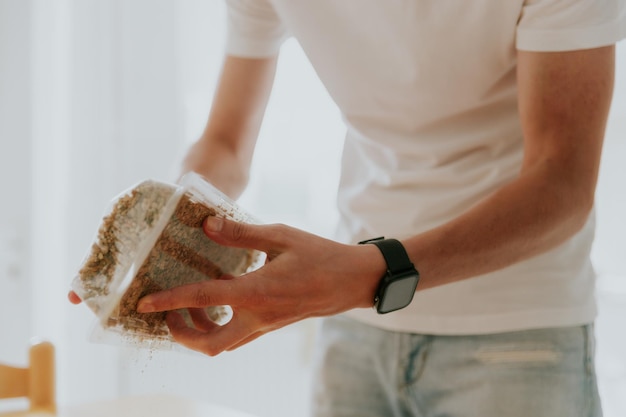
<point x="608" y="253"/>
<point x="15" y="174"/>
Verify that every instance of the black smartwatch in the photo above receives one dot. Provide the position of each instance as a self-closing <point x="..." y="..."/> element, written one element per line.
<point x="397" y="286"/>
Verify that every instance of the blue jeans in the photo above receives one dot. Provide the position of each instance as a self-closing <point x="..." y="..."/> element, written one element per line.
<point x="364" y="371"/>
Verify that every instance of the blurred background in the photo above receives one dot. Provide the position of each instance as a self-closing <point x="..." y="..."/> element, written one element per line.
<point x="97" y="95"/>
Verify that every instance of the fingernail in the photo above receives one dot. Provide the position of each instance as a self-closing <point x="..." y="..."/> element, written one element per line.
<point x="214" y="223"/>
<point x="145" y="306"/>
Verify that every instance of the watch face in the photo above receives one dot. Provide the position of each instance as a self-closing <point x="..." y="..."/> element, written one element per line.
<point x="398" y="293"/>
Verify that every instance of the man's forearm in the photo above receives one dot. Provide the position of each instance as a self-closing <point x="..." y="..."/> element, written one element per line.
<point x="224" y="151"/>
<point x="219" y="165"/>
<point x="564" y="100"/>
<point x="525" y="218"/>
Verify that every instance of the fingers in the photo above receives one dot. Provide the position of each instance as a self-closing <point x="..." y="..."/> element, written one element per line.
<point x="211" y="342"/>
<point x="180" y="331"/>
<point x="247" y="340"/>
<point x="74" y="298"/>
<point x="267" y="238"/>
<point x="226" y="277"/>
<point x="201" y="320"/>
<point x="198" y="295"/>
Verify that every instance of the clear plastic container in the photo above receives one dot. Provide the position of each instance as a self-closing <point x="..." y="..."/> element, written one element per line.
<point x="151" y="239"/>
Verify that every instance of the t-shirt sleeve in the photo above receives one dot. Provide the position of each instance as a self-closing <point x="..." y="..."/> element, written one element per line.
<point x="254" y="29"/>
<point x="562" y="25"/>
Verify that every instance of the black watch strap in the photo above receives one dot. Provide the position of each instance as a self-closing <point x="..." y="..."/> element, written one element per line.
<point x="397" y="287"/>
<point x="394" y="253"/>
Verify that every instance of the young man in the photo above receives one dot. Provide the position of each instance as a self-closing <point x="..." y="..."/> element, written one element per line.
<point x="474" y="138"/>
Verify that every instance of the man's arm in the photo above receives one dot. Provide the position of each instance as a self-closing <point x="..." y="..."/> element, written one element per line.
<point x="224" y="151"/>
<point x="564" y="100"/>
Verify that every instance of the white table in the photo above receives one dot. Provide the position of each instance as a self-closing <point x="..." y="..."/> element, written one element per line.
<point x="140" y="406"/>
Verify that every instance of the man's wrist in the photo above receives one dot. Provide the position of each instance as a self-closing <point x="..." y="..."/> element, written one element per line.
<point x="399" y="282"/>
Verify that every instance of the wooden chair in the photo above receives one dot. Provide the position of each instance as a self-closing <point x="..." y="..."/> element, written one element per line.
<point x="35" y="382"/>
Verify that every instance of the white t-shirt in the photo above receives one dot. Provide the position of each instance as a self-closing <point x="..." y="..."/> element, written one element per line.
<point x="427" y="89"/>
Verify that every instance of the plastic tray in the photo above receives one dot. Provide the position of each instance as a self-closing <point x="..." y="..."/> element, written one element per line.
<point x="151" y="239"/>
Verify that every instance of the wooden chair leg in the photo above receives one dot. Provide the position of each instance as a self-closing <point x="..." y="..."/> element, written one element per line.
<point x="41" y="379"/>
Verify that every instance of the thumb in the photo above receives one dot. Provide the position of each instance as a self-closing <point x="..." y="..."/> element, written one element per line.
<point x="241" y="235"/>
